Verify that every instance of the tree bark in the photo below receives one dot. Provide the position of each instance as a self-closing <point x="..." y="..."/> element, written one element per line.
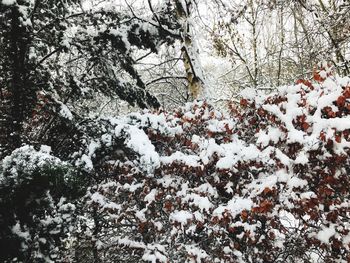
<point x="194" y="80"/>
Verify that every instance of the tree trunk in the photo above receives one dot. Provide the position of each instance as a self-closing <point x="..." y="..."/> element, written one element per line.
<point x="19" y="94"/>
<point x="194" y="77"/>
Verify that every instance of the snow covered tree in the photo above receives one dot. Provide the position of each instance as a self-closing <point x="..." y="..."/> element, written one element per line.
<point x="16" y="89"/>
<point x="38" y="205"/>
<point x="55" y="53"/>
<point x="268" y="43"/>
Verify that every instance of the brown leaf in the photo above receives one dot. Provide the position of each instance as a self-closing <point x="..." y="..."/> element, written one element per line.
<point x="332" y="216"/>
<point x="244" y="215"/>
<point x="267" y="191"/>
<point x="338" y="137"/>
<point x="317" y="76"/>
<point x="264" y="207"/>
<point x="243" y="102"/>
<point x="305" y="82"/>
<point x="341" y="101"/>
<point x="305" y="126"/>
<point x="261" y="112"/>
<point x="168" y="205"/>
<point x="346" y="92"/>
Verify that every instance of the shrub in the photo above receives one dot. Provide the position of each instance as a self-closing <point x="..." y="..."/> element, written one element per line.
<point x="36" y="213"/>
<point x="268" y="182"/>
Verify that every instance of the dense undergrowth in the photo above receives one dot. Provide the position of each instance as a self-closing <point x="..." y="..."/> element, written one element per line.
<point x="267" y="181"/>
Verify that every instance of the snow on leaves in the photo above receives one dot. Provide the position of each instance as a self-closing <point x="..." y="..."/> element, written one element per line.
<point x="271" y="176"/>
<point x="199" y="185"/>
<point x="35" y="215"/>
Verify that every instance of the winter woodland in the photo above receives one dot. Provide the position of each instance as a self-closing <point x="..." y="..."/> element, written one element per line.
<point x="177" y="131"/>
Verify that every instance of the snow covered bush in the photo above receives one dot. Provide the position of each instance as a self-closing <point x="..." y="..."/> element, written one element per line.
<point x="36" y="212"/>
<point x="268" y="182"/>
